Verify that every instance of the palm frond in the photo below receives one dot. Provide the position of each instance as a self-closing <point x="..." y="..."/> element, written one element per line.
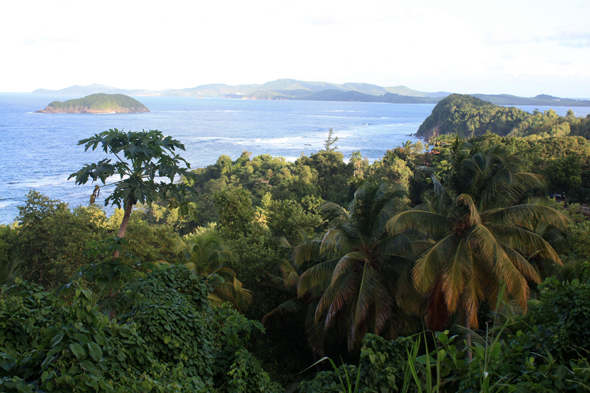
<point x="385" y="214"/>
<point x="332" y="211"/>
<point x="318" y="275"/>
<point x="467" y="200"/>
<point x="428" y="266"/>
<point x="335" y="298"/>
<point x="234" y="293"/>
<point x="284" y="243"/>
<point x="440" y="198"/>
<point x="525" y="241"/>
<point x="475" y="337"/>
<point x="289" y="307"/>
<point x="406" y="295"/>
<point x="307" y="251"/>
<point x="370" y="289"/>
<point x="335" y="242"/>
<point x="473" y="293"/>
<point x="522" y="264"/>
<point x="424" y="221"/>
<point x="456" y="273"/>
<point x="419" y="246"/>
<point x="530" y="180"/>
<point x="386" y="312"/>
<point x="520" y="215"/>
<point x="349" y="262"/>
<point x="491" y="252"/>
<point x="290" y="275"/>
<point x="399" y="244"/>
<point x="225" y="273"/>
<point x="315" y="331"/>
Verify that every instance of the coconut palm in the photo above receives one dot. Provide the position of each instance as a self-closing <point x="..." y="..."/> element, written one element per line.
<point x="352" y="271"/>
<point x="208" y="256"/>
<point x="482" y="234"/>
<point x="407" y="147"/>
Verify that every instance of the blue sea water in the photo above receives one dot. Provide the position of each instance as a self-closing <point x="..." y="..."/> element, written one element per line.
<point x="40" y="151"/>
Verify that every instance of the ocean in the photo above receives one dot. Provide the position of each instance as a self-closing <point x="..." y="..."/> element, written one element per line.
<point x="40" y="151"/>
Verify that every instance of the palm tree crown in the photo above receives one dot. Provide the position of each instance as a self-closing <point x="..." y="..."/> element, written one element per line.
<point x="208" y="256"/>
<point x="353" y="269"/>
<point x="481" y="235"/>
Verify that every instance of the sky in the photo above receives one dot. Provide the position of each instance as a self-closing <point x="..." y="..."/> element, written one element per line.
<point x="516" y="47"/>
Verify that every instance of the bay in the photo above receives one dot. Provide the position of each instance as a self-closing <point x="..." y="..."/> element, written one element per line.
<point x="40" y="151"/>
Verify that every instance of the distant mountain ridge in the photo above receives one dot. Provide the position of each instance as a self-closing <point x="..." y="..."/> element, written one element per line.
<point x="221" y="89"/>
<point x="293" y="89"/>
<point x="94" y="89"/>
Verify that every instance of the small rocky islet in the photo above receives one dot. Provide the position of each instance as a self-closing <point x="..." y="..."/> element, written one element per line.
<point x="97" y="104"/>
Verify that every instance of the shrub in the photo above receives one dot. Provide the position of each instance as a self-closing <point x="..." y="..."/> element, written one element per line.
<point x="383" y="364"/>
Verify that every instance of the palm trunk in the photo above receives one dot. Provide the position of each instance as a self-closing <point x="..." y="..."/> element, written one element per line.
<point x="468" y="336"/>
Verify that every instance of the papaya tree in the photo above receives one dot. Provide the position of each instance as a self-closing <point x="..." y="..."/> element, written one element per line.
<point x="146" y="165"/>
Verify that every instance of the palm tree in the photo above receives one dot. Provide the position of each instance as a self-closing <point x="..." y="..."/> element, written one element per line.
<point x="482" y="235"/>
<point x="407" y="147"/>
<point x="352" y="271"/>
<point x="207" y="256"/>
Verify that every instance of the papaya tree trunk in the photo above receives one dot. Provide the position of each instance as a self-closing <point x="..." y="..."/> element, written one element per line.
<point x="126" y="215"/>
<point x="123" y="227"/>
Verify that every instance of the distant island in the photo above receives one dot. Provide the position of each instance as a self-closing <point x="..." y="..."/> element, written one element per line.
<point x="292" y="89"/>
<point x="97" y="104"/>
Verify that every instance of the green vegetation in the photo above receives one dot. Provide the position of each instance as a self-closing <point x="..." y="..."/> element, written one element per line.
<point x="98" y="102"/>
<point x="468" y="117"/>
<point x="445" y="269"/>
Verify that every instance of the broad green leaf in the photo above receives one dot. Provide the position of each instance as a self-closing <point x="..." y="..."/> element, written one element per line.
<point x="78" y="351"/>
<point x="88" y="366"/>
<point x="57" y="339"/>
<point x="575" y="283"/>
<point x="95" y="351"/>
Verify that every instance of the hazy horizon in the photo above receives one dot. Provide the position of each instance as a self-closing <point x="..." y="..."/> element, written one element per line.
<point x="221" y="83"/>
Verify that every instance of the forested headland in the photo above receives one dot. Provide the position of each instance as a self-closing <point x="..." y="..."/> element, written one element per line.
<point x="460" y="264"/>
<point x="469" y="116"/>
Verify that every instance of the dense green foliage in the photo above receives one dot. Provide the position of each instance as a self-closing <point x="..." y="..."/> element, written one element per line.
<point x="565" y="161"/>
<point x="100" y="101"/>
<point x="335" y="255"/>
<point x="562" y="311"/>
<point x="51" y="240"/>
<point x="168" y="339"/>
<point x="382" y="366"/>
